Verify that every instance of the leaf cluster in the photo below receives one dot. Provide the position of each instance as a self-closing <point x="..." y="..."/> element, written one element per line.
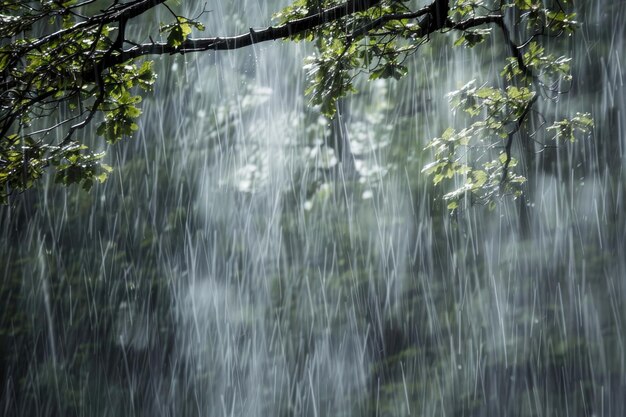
<point x="477" y="162"/>
<point x="61" y="69"/>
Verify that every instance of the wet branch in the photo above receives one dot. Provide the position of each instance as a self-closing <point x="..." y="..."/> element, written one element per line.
<point x="272" y="33"/>
<point x="509" y="141"/>
<point x="434" y="18"/>
<point x="498" y="20"/>
<point x="515" y="50"/>
<point x="121" y="13"/>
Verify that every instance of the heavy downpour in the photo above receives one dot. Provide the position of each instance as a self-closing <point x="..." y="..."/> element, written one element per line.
<point x="303" y="208"/>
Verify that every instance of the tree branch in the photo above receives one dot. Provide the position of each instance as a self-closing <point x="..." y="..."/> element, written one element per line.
<point x="303" y="25"/>
<point x="270" y="33"/>
<point x="509" y="141"/>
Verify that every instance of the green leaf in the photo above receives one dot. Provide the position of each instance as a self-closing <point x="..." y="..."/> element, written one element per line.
<point x="473" y="37"/>
<point x="179" y="31"/>
<point x="479" y="177"/>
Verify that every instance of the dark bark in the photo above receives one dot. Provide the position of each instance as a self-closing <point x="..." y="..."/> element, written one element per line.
<point x="436" y="17"/>
<point x="438" y="10"/>
<point x="271" y="33"/>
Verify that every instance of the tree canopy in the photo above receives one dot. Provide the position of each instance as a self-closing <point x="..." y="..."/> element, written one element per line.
<point x="67" y="64"/>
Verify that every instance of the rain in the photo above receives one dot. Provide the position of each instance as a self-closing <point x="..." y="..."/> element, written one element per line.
<point x="249" y="256"/>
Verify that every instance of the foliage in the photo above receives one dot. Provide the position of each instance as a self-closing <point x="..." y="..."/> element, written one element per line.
<point x="501" y="114"/>
<point x="56" y="82"/>
<point x="378" y="41"/>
